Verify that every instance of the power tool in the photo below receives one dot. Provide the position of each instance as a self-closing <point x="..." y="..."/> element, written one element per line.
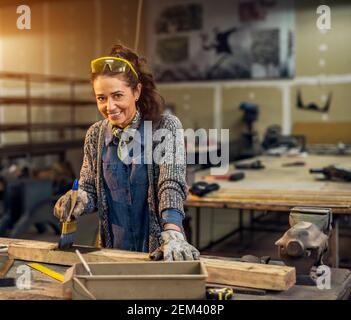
<point x="334" y="172"/>
<point x="202" y="188"/>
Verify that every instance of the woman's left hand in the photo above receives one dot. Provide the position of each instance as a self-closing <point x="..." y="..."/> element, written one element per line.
<point x="174" y="248"/>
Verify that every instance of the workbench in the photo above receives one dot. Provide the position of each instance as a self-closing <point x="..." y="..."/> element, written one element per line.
<point x="340" y="290"/>
<point x="278" y="188"/>
<point x="44" y="287"/>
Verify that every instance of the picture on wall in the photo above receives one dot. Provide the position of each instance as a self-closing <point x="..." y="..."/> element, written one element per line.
<point x="221" y="40"/>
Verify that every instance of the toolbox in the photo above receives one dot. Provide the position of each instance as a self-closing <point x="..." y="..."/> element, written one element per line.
<point x="137" y="280"/>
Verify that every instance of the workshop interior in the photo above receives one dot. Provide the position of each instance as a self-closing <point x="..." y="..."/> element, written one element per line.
<point x="262" y="203"/>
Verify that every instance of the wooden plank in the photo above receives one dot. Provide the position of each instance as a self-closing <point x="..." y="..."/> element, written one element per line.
<point x="252" y="275"/>
<point x="6" y="266"/>
<point x="270" y="277"/>
<point x="47" y="252"/>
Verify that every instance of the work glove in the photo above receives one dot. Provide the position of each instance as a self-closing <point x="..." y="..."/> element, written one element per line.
<point x="174" y="248"/>
<point x="63" y="205"/>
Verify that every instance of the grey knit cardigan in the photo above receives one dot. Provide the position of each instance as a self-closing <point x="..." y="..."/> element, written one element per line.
<point x="167" y="183"/>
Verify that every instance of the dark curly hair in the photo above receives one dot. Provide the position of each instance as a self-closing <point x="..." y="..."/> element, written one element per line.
<point x="150" y="102"/>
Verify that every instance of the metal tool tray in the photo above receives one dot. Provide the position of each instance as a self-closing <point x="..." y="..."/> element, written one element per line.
<point x="137" y="280"/>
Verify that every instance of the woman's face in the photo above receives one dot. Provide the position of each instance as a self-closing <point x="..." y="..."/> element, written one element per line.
<point x="116" y="101"/>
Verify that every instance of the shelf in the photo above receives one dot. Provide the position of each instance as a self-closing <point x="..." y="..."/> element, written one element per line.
<point x="42" y="126"/>
<point x="33" y="77"/>
<point x="32" y="148"/>
<point x="22" y="150"/>
<point x="54" y="102"/>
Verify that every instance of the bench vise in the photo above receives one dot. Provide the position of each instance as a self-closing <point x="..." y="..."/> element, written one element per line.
<point x="305" y="244"/>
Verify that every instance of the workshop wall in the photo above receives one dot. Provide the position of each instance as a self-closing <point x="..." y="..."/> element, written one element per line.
<point x="327" y="54"/>
<point x="308" y="40"/>
<point x="65" y="35"/>
<point x="267" y="98"/>
<point x="339" y="109"/>
<point x="193" y="105"/>
<point x="316" y="54"/>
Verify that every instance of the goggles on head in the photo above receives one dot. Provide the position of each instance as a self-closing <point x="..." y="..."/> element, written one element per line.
<point x="117" y="65"/>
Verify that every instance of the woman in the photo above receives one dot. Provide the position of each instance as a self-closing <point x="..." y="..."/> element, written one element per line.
<point x="140" y="203"/>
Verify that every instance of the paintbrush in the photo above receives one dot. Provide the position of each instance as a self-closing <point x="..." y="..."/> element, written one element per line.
<point x="69" y="227"/>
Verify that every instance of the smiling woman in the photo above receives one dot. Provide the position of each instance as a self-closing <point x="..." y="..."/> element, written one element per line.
<point x="140" y="204"/>
<point x="115" y="99"/>
<point x="125" y="65"/>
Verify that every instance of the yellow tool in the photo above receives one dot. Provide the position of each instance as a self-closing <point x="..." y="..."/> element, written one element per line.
<point x="219" y="293"/>
<point x="49" y="272"/>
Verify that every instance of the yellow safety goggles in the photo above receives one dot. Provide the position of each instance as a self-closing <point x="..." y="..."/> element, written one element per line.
<point x="117" y="65"/>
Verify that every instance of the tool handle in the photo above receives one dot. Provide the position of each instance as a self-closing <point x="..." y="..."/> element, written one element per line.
<point x="212" y="187"/>
<point x="220" y="177"/>
<point x="86" y="266"/>
<point x="224" y="177"/>
<point x="74" y="196"/>
<point x="237" y="176"/>
<point x="317" y="170"/>
<point x="253" y="165"/>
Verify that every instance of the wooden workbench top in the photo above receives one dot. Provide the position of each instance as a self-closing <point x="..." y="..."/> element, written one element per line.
<point x="252" y="275"/>
<point x="44" y="287"/>
<point x="279" y="188"/>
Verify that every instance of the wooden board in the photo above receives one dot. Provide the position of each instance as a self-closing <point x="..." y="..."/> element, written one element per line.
<point x="324" y="132"/>
<point x="251" y="275"/>
<point x="48" y="252"/>
<point x="260" y="276"/>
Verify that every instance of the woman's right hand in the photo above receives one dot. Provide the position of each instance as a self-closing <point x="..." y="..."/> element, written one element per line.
<point x="63" y="205"/>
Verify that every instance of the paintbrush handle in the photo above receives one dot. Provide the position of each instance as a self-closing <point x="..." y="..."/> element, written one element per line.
<point x="74" y="196"/>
